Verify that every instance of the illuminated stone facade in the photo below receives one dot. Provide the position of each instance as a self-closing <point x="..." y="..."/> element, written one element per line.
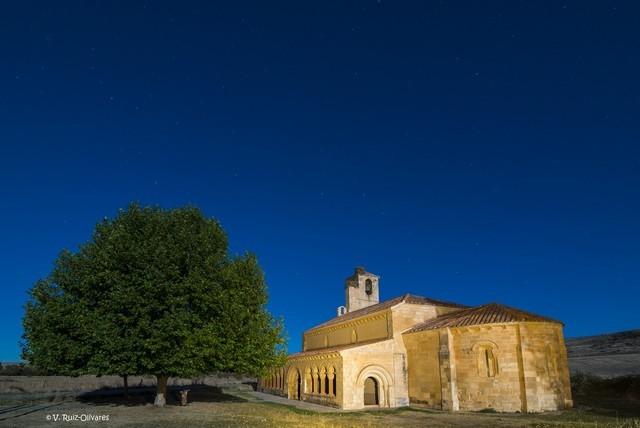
<point x="413" y="350"/>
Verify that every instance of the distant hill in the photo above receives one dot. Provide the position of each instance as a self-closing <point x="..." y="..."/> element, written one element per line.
<point x="606" y="355"/>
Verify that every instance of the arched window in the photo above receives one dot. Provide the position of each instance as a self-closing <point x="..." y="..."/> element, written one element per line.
<point x="335" y="383"/>
<point x="326" y="383"/>
<point x="486" y="359"/>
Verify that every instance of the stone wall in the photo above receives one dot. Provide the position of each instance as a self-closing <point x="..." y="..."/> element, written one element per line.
<point x="506" y="367"/>
<point x="369" y="328"/>
<point x="375" y="360"/>
<point x="486" y="367"/>
<point x="406" y="316"/>
<point x="424" y="368"/>
<point x="52" y="384"/>
<point x="546" y="370"/>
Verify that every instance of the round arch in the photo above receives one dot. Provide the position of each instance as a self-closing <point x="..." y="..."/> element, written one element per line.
<point x="487" y="356"/>
<point x="294" y="384"/>
<point x="384" y="383"/>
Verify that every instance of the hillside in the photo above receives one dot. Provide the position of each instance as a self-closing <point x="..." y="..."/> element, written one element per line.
<point x="606" y="355"/>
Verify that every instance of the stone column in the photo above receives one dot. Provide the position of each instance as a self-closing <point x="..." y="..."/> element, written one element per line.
<point x="323" y="373"/>
<point x="307" y="380"/>
<point x="448" y="376"/>
<point x="454" y="373"/>
<point x="521" y="377"/>
<point x="332" y="376"/>
<point x="563" y="367"/>
<point x="314" y="379"/>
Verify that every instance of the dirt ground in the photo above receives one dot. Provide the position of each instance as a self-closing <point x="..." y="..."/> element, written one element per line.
<point x="236" y="407"/>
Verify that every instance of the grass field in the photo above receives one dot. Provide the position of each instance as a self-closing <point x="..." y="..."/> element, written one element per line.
<point x="237" y="407"/>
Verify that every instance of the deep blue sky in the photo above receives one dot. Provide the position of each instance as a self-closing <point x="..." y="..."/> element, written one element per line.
<point x="468" y="151"/>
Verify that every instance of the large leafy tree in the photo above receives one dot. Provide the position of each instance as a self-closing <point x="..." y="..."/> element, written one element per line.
<point x="153" y="292"/>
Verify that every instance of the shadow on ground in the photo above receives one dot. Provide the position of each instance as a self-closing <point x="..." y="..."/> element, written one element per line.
<point x="146" y="395"/>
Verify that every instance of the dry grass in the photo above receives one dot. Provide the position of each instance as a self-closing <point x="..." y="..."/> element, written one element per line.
<point x="236" y="408"/>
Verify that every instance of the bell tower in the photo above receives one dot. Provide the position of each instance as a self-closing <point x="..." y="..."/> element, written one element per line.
<point x="361" y="290"/>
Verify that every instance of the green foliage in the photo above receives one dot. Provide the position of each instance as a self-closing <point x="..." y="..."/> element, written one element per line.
<point x="153" y="292"/>
<point x="607" y="396"/>
<point x="583" y="384"/>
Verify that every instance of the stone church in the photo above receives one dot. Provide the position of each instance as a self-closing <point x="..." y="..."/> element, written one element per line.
<point x="412" y="350"/>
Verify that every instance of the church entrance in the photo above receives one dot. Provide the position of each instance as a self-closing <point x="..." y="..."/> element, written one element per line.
<point x="371" y="392"/>
<point x="294" y="385"/>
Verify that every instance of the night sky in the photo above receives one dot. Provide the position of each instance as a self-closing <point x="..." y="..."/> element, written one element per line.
<point x="466" y="151"/>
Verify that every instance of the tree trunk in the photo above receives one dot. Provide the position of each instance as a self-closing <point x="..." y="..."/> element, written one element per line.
<point x="161" y="390"/>
<point x="125" y="379"/>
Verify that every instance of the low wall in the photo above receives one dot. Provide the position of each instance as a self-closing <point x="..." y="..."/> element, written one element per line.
<point x="48" y="384"/>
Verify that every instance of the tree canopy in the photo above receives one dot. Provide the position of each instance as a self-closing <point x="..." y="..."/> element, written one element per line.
<point x="153" y="292"/>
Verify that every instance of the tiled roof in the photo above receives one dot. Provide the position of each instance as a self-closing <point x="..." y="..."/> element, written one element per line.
<point x="407" y="298"/>
<point x="487" y="314"/>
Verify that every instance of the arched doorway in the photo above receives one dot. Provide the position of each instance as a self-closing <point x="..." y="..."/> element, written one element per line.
<point x="371" y="392"/>
<point x="378" y="389"/>
<point x="295" y="383"/>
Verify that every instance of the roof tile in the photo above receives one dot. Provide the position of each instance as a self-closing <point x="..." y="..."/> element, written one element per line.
<point x="407" y="298"/>
<point x="486" y="314"/>
<point x="334" y="348"/>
